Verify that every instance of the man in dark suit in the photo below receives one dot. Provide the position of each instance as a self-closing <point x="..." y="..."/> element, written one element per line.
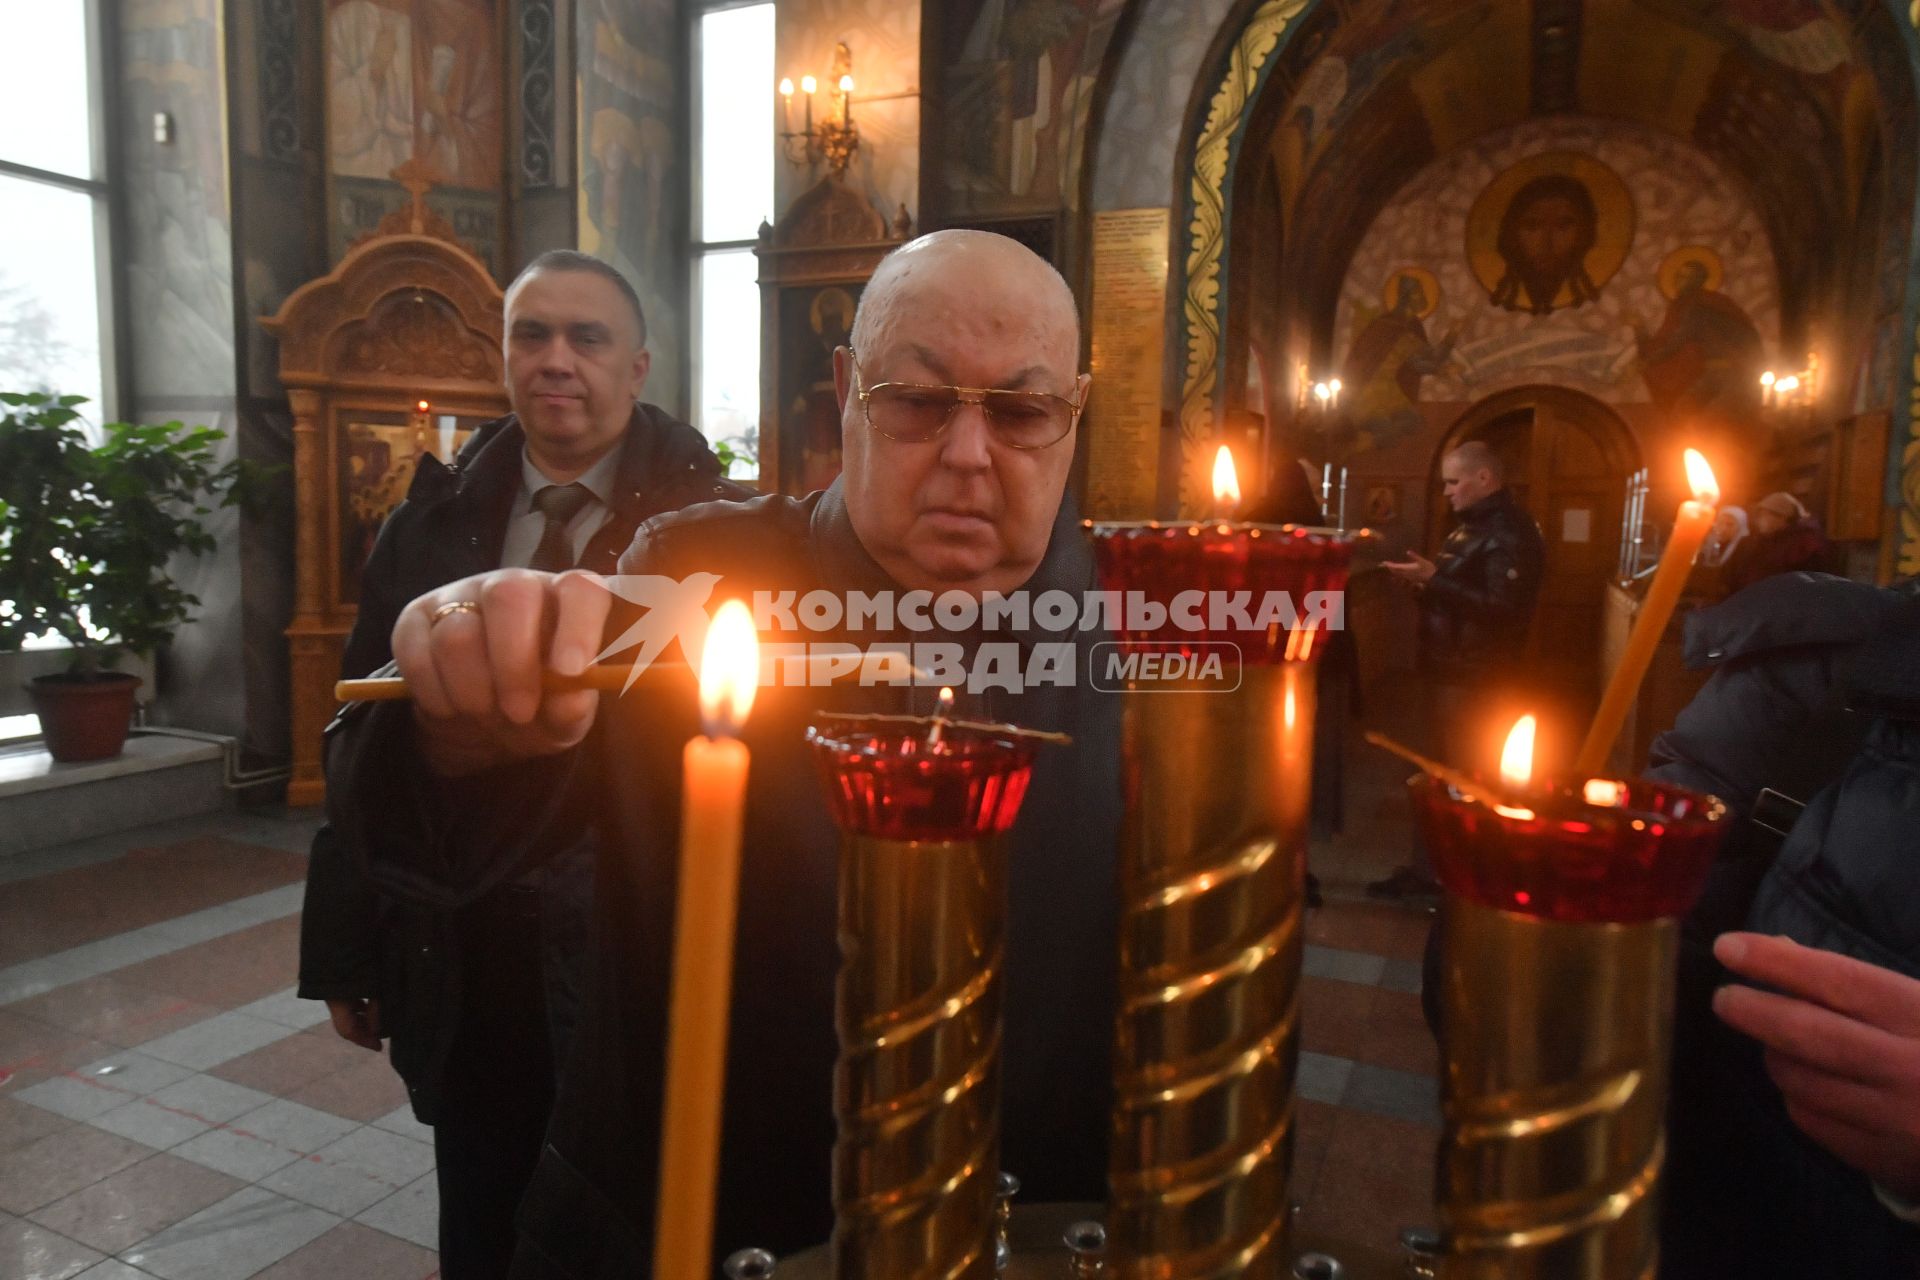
<point x="947" y="488"/>
<point x="478" y="999"/>
<point x="1476" y="599"/>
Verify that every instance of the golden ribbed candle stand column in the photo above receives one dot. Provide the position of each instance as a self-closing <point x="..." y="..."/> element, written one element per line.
<point x="1559" y="935"/>
<point x="921" y="927"/>
<point x="1218" y="768"/>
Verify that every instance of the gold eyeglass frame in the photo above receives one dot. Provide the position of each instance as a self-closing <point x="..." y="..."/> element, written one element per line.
<point x="962" y="395"/>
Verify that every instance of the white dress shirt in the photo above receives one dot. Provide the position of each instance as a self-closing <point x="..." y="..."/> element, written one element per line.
<point x="525" y="525"/>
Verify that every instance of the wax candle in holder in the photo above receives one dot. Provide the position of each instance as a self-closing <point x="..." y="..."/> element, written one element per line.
<point x="1218" y="772"/>
<point x="923" y="803"/>
<point x="1559" y="930"/>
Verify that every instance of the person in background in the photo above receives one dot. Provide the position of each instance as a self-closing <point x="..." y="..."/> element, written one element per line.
<point x="1729" y="530"/>
<point x="1786" y="537"/>
<point x="1476" y="601"/>
<point x="478" y="997"/>
<point x="1792" y="1106"/>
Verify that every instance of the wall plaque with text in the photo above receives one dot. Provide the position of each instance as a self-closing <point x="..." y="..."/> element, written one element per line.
<point x="1129" y="328"/>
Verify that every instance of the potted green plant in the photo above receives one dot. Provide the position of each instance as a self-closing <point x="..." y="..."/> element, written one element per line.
<point x="86" y="533"/>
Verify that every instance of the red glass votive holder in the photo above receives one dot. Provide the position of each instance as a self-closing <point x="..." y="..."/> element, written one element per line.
<point x="1160" y="562"/>
<point x="1552" y="854"/>
<point x="923" y="804"/>
<point x="1559" y="935"/>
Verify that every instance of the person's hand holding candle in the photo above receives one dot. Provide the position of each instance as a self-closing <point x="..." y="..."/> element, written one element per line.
<point x="474" y="653"/>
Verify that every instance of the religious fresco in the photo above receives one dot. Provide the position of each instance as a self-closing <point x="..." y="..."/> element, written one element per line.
<point x="1015" y="100"/>
<point x="419" y="81"/>
<point x="1524" y="259"/>
<point x="380" y="451"/>
<point x="1699" y="363"/>
<point x="1385" y="46"/>
<point x="1392" y="355"/>
<point x="631" y="167"/>
<point x="1794" y="33"/>
<point x="816" y="320"/>
<point x="1549" y="232"/>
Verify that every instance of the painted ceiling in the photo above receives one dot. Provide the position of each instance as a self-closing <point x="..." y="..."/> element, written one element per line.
<point x="1790" y="96"/>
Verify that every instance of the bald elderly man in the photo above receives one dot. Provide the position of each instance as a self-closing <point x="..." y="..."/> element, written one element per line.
<point x="960" y="401"/>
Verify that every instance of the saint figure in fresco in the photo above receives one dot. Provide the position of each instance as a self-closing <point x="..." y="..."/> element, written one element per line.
<point x="1389" y="359"/>
<point x="1704" y="360"/>
<point x="1035" y="48"/>
<point x="1550" y="226"/>
<point x="813" y="417"/>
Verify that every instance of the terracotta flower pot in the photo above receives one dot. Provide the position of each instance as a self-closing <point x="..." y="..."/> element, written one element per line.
<point x="84" y="717"/>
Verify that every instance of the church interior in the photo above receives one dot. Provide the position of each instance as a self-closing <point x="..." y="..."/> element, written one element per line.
<point x="1357" y="244"/>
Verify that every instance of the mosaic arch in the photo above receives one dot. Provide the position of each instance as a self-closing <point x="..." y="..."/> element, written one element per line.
<point x="1170" y="40"/>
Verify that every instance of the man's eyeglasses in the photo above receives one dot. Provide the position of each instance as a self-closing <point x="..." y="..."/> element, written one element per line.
<point x="914" y="412"/>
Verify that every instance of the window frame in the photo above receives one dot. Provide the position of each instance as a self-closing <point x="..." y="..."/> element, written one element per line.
<point x="699" y="248"/>
<point x="109" y="212"/>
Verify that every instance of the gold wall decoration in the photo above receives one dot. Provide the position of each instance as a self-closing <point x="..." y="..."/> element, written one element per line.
<point x="1207" y="241"/>
<point x="1129" y="315"/>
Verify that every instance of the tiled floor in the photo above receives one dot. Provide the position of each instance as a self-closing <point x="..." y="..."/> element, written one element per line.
<point x="168" y="1109"/>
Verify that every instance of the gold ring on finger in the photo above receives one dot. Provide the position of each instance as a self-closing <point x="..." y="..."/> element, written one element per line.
<point x="452" y="607"/>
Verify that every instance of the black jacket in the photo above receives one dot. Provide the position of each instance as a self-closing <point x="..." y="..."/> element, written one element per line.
<point x="588" y="1214"/>
<point x="1816" y="694"/>
<point x="1475" y="610"/>
<point x="354" y="941"/>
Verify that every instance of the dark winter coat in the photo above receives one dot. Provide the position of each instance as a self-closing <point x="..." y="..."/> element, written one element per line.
<point x="1477" y="607"/>
<point x="356" y="942"/>
<point x="1816" y="696"/>
<point x="588" y="1214"/>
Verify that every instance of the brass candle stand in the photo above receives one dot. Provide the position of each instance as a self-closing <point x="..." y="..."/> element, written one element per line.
<point x="1559" y="934"/>
<point x="922" y="804"/>
<point x="1212" y="886"/>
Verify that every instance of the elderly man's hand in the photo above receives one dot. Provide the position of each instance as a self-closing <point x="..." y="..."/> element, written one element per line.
<point x="1843" y="1044"/>
<point x="1415" y="570"/>
<point x="473" y="652"/>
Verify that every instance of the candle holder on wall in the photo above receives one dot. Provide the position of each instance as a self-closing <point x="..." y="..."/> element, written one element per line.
<point x="834" y="138"/>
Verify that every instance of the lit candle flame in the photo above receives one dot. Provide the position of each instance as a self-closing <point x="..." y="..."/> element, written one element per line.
<point x="422" y="406"/>
<point x="1603" y="793"/>
<point x="941" y="712"/>
<point x="1322" y="392"/>
<point x="729" y="670"/>
<point x="846" y="84"/>
<point x="1766" y="379"/>
<point x="1789" y="383"/>
<point x="808" y="85"/>
<point x="1700" y="479"/>
<point x="1516" y="758"/>
<point x="1226" y="481"/>
<point x="786" y="86"/>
